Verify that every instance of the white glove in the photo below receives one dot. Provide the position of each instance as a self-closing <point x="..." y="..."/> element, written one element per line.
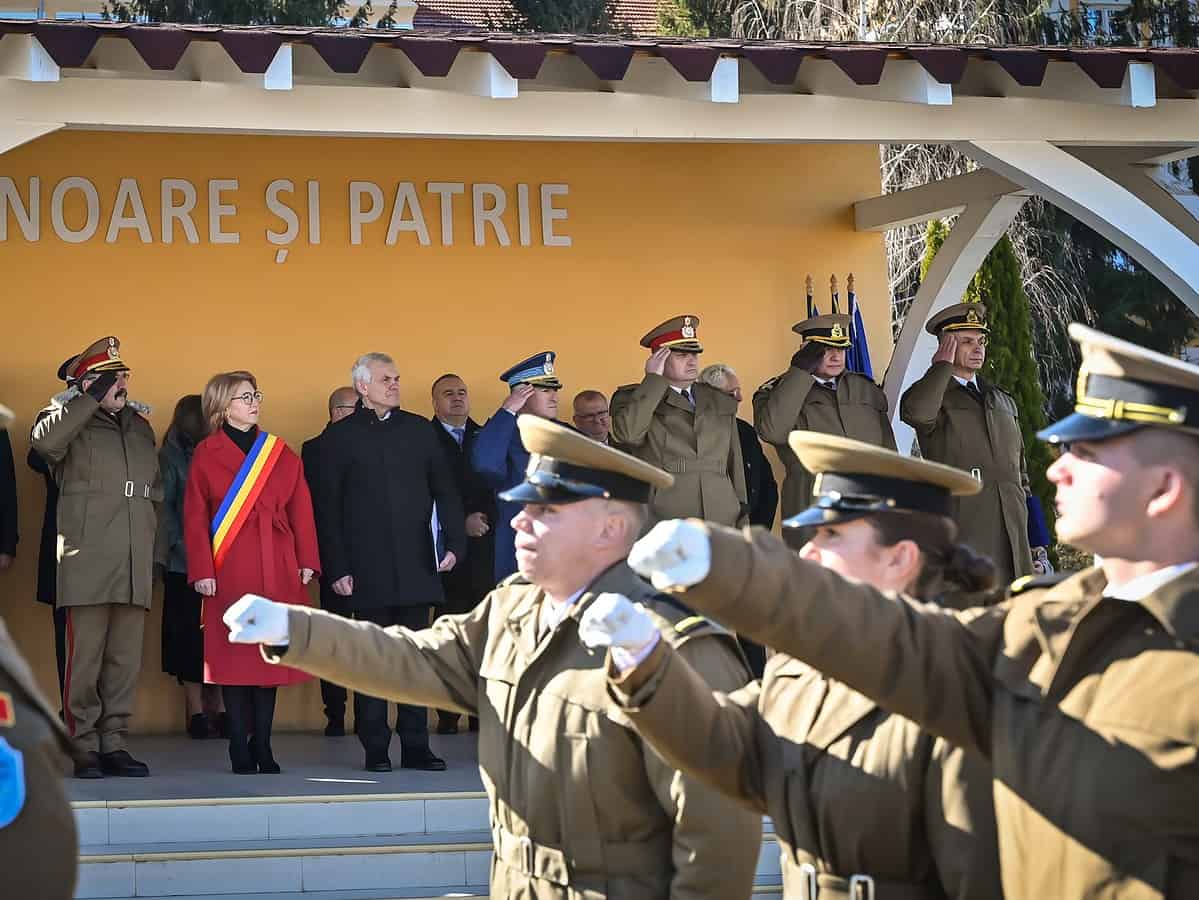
<point x="674" y="554"/>
<point x="257" y="620"/>
<point x="616" y="622"/>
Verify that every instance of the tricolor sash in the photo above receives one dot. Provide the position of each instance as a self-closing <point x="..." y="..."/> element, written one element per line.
<point x="243" y="493"/>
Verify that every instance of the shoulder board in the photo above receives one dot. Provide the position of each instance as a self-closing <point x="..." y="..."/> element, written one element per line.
<point x="625" y="388"/>
<point x="1032" y="582"/>
<point x="683" y="621"/>
<point x="767" y="386"/>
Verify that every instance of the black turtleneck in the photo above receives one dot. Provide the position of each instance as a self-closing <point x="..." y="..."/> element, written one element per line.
<point x="244" y="439"/>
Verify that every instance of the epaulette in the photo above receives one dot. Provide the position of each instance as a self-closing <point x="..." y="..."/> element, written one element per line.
<point x="1028" y="583"/>
<point x="514" y="578"/>
<point x="689" y="620"/>
<point x="768" y="385"/>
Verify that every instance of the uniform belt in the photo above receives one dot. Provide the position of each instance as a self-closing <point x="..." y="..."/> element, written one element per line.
<point x="131" y="489"/>
<point x="980" y="474"/>
<point x="682" y="466"/>
<point x="826" y="886"/>
<point x="520" y="852"/>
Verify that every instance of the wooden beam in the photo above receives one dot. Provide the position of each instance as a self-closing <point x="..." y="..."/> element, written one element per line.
<point x="935" y="200"/>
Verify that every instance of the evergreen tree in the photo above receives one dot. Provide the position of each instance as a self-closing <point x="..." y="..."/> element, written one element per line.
<point x="1010" y="361"/>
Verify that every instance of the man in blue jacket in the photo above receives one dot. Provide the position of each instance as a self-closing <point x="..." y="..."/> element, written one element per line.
<point x="498" y="455"/>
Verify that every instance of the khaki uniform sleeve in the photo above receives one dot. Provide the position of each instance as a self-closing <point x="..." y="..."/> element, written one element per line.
<point x="436" y="666"/>
<point x="737" y="474"/>
<point x="716" y="842"/>
<point x="920" y="405"/>
<point x="776" y="413"/>
<point x="53" y="433"/>
<point x="633" y="411"/>
<point x="930" y="665"/>
<point x="960" y="821"/>
<point x="717" y="738"/>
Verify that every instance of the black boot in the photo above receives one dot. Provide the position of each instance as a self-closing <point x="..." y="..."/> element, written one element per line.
<point x="237" y="705"/>
<point x="260" y="740"/>
<point x="197" y="727"/>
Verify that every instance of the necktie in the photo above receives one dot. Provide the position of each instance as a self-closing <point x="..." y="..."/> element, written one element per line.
<point x="459" y="435"/>
<point x="972" y="387"/>
<point x="687" y="396"/>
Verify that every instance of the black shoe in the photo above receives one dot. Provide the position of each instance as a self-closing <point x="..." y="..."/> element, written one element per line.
<point x="423" y="760"/>
<point x="381" y="764"/>
<point x="335" y="728"/>
<point x="474" y="723"/>
<point x="241" y="759"/>
<point x="87" y="765"/>
<point x="447" y="727"/>
<point x="197" y="727"/>
<point x="268" y="766"/>
<point x="120" y="763"/>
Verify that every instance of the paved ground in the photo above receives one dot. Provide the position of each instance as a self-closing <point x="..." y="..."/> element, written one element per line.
<point x="313" y="765"/>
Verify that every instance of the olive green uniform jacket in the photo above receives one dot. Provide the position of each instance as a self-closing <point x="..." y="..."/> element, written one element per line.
<point x="106" y="468"/>
<point x="39" y="848"/>
<point x="851" y="789"/>
<point x="795" y="401"/>
<point x="581" y="808"/>
<point x="954" y="428"/>
<point x="700" y="447"/>
<point x="1084" y="705"/>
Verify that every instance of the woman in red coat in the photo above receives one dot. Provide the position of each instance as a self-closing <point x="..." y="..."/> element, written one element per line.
<point x="248" y="529"/>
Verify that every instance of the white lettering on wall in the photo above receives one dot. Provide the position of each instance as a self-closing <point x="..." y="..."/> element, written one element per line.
<point x="283" y="211"/>
<point x="218" y="209"/>
<point x="551" y="214"/>
<point x="406" y="199"/>
<point x="485" y="215"/>
<point x="358" y="215"/>
<point x="77" y="211"/>
<point x="447" y="190"/>
<point x="28" y="215"/>
<point x="128" y="194"/>
<point x="90" y="224"/>
<point x="173" y="212"/>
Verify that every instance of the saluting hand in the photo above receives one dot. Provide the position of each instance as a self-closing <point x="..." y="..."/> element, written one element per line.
<point x="257" y="620"/>
<point x="518" y="398"/>
<point x="675" y="554"/>
<point x="656" y="364"/>
<point x="947" y="350"/>
<point x="617" y="623"/>
<point x="205" y="587"/>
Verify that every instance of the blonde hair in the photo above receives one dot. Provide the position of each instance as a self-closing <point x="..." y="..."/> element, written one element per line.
<point x="218" y="394"/>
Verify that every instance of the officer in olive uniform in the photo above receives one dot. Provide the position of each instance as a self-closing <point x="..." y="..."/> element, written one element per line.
<point x="579" y="805"/>
<point x="38" y="841"/>
<point x="964" y="421"/>
<point x="818" y="394"/>
<point x="1080" y="690"/>
<point x="685" y="427"/>
<point x="101" y="450"/>
<point x="881" y="804"/>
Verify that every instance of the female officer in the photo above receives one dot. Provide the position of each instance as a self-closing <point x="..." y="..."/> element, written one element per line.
<point x="865" y="804"/>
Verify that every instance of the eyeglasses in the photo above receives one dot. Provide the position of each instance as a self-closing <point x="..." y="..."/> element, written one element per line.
<point x="248" y="398"/>
<point x="595" y="415"/>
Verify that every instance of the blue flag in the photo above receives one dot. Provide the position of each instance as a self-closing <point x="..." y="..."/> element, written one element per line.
<point x="858" y="357"/>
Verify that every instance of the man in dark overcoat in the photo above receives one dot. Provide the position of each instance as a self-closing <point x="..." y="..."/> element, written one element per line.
<point x="391" y="522"/>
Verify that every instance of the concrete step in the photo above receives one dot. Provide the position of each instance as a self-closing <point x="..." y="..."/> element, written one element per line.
<point x="107" y="822"/>
<point x="416" y="862"/>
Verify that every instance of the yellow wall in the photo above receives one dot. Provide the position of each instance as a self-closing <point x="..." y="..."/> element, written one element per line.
<point x="722" y="231"/>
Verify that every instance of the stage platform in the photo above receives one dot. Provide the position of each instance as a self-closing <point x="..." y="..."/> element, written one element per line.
<point x="323" y="829"/>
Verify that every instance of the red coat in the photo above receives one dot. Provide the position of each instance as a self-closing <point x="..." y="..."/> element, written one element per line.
<point x="277" y="540"/>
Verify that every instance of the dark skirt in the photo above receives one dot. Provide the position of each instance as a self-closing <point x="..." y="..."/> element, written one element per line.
<point x="182" y="639"/>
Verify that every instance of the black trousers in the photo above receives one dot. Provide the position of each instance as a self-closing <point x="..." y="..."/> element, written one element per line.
<point x="370" y="713"/>
<point x="333" y="695"/>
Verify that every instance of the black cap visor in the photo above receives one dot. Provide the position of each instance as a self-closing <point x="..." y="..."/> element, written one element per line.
<point x="1079" y="427"/>
<point x="815" y="516"/>
<point x="547" y="487"/>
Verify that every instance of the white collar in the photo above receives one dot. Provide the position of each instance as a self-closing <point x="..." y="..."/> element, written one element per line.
<point x="827" y="382"/>
<point x="1144" y="585"/>
<point x="679" y="390"/>
<point x="551" y="614"/>
<point x="966" y="382"/>
<point x="450" y="428"/>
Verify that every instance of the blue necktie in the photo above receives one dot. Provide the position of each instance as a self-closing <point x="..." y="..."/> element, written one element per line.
<point x="459" y="435"/>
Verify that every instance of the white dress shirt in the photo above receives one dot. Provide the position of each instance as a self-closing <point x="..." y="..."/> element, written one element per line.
<point x="1143" y="585"/>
